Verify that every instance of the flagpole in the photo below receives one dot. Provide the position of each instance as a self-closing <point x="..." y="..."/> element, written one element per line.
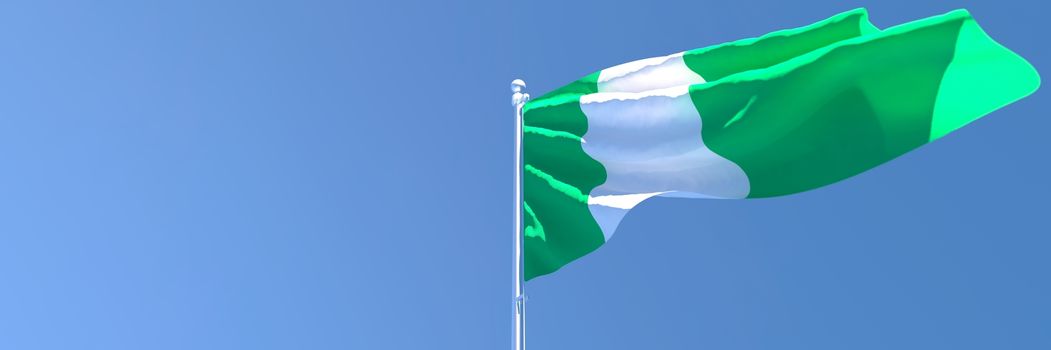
<point x="518" y="99"/>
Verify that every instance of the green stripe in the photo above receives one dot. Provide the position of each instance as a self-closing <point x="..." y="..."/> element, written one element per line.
<point x="569" y="230"/>
<point x="719" y="61"/>
<point x="835" y="112"/>
<point x="983" y="76"/>
<point x="558" y="176"/>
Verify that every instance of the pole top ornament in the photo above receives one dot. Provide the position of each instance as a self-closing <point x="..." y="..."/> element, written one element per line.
<point x="519" y="98"/>
<point x="517" y="85"/>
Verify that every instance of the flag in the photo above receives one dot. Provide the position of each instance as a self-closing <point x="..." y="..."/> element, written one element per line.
<point x="783" y="113"/>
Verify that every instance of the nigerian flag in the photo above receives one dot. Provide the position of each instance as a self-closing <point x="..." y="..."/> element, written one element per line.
<point x="784" y="113"/>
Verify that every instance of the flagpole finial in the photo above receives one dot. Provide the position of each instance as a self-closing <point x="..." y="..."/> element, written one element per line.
<point x="519" y="98"/>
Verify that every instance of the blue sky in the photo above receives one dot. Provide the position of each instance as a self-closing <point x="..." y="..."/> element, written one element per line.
<point x="337" y="175"/>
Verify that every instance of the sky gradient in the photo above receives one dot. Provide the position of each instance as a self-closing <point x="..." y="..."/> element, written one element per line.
<point x="337" y="175"/>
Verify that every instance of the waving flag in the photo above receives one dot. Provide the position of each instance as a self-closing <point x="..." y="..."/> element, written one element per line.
<point x="784" y="113"/>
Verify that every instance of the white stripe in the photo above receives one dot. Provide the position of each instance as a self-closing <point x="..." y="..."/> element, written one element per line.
<point x="650" y="144"/>
<point x="648" y="74"/>
<point x="621" y="201"/>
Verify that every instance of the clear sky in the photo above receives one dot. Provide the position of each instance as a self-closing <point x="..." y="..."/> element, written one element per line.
<point x="337" y="175"/>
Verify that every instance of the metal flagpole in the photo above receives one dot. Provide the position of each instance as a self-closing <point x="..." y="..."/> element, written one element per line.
<point x="518" y="100"/>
